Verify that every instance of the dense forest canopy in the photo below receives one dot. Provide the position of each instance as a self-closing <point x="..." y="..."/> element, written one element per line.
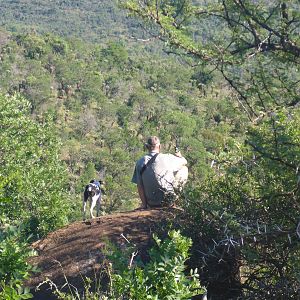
<point x="221" y="77"/>
<point x="90" y="20"/>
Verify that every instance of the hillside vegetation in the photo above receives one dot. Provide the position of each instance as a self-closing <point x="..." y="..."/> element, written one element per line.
<point x="220" y="78"/>
<point x="104" y="100"/>
<point x="91" y="20"/>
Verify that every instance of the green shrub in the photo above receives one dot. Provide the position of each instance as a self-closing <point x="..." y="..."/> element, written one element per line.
<point x="33" y="181"/>
<point x="163" y="277"/>
<point x="14" y="268"/>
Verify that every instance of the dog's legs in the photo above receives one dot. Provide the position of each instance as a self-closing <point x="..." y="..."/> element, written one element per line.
<point x="83" y="209"/>
<point x="98" y="205"/>
<point x="93" y="204"/>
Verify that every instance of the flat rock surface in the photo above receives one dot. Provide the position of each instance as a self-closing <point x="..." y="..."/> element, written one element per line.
<point x="77" y="250"/>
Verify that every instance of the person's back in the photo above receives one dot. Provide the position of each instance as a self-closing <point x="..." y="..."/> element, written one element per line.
<point x="158" y="180"/>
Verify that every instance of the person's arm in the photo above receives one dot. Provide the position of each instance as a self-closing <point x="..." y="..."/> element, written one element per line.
<point x="137" y="180"/>
<point x="178" y="154"/>
<point x="142" y="195"/>
<point x="182" y="161"/>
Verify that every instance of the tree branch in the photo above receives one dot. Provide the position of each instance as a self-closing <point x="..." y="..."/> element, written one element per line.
<point x="271" y="157"/>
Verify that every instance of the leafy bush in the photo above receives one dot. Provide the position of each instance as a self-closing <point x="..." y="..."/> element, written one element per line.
<point x="250" y="208"/>
<point x="33" y="179"/>
<point x="14" y="268"/>
<point x="163" y="277"/>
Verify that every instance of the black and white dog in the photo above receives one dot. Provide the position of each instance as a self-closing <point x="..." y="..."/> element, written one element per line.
<point x="92" y="192"/>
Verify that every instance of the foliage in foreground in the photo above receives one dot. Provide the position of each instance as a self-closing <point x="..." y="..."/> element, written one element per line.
<point x="251" y="209"/>
<point x="32" y="190"/>
<point x="14" y="268"/>
<point x="32" y="179"/>
<point x="163" y="277"/>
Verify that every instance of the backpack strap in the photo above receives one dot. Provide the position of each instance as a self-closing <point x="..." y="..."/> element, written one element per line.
<point x="149" y="163"/>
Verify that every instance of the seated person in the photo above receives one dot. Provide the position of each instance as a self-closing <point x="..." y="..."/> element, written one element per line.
<point x="158" y="176"/>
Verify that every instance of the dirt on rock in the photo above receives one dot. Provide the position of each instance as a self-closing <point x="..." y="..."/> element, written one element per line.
<point x="77" y="250"/>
